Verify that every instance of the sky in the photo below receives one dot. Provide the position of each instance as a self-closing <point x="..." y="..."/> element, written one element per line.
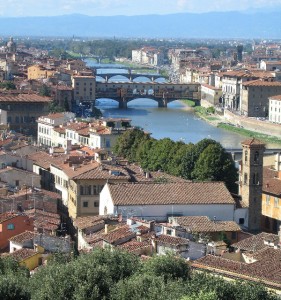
<point x="22" y="8"/>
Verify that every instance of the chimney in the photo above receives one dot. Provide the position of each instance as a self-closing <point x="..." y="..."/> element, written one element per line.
<point x="120" y="218"/>
<point x="105" y="228"/>
<point x="147" y="175"/>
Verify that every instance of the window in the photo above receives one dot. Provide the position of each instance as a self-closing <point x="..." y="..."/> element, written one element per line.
<point x="81" y="190"/>
<point x="276" y="202"/>
<point x="246" y="156"/>
<point x="169" y="232"/>
<point x="10" y="226"/>
<point x="96" y="204"/>
<point x="267" y="200"/>
<point x="241" y="221"/>
<point x="245" y="178"/>
<point x="256" y="157"/>
<point x="17" y="183"/>
<point x="85" y="203"/>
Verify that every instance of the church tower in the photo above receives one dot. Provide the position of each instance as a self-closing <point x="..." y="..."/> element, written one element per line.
<point x="251" y="175"/>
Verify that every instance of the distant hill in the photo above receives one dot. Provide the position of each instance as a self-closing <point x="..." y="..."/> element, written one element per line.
<point x="186" y="25"/>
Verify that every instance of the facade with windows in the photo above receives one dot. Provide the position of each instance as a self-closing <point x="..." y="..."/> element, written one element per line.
<point x="84" y="88"/>
<point x="274" y="111"/>
<point x="271" y="200"/>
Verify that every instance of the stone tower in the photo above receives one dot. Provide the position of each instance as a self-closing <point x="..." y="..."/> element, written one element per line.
<point x="251" y="175"/>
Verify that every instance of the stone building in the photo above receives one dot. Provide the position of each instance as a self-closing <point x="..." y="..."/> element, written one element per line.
<point x="251" y="180"/>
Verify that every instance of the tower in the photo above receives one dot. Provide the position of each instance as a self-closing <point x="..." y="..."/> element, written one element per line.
<point x="239" y="52"/>
<point x="251" y="175"/>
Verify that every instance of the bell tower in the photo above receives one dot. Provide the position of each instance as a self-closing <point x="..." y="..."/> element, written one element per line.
<point x="251" y="175"/>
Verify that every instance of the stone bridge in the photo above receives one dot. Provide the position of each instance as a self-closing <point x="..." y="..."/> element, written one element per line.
<point x="163" y="93"/>
<point x="131" y="76"/>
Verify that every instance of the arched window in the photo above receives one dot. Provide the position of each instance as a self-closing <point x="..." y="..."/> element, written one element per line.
<point x="256" y="156"/>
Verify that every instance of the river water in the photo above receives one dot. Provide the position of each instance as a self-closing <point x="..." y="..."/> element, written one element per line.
<point x="176" y="122"/>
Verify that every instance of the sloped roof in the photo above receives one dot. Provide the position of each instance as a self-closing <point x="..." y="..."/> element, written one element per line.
<point x="253" y="141"/>
<point x="170" y="193"/>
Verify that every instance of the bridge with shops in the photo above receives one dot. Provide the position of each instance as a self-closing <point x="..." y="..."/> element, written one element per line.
<point x="162" y="93"/>
<point x="131" y="76"/>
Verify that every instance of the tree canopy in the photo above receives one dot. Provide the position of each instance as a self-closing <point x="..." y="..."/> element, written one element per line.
<point x="205" y="161"/>
<point x="114" y="274"/>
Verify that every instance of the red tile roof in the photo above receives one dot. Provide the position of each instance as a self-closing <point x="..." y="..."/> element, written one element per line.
<point x="170" y="193"/>
<point x="24" y="98"/>
<point x="22" y="237"/>
<point x="204" y="224"/>
<point x="252" y="141"/>
<point x="23" y="254"/>
<point x="171" y="240"/>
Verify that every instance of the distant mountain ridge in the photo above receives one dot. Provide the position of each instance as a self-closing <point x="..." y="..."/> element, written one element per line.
<point x="185" y="25"/>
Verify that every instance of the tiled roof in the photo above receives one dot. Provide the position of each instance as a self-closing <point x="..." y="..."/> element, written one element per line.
<point x="24" y="98"/>
<point x="22" y="237"/>
<point x="89" y="221"/>
<point x="101" y="171"/>
<point x="7" y="216"/>
<point x="204" y="224"/>
<point x="134" y="245"/>
<point x="123" y="232"/>
<point x="256" y="242"/>
<point x="171" y="240"/>
<point x="267" y="269"/>
<point x="22" y="254"/>
<point x="170" y="193"/>
<point x="210" y="86"/>
<point x="271" y="182"/>
<point x="261" y="83"/>
<point x="252" y="141"/>
<point x="277" y="97"/>
<point x="54" y="116"/>
<point x="44" y="160"/>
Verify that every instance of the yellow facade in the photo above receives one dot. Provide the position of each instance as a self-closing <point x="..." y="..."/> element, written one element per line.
<point x="37" y="72"/>
<point x="271" y="212"/>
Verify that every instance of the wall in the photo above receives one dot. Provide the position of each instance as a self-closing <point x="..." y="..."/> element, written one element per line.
<point x="253" y="124"/>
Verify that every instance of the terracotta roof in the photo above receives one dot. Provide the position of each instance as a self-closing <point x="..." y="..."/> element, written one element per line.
<point x="24" y="98"/>
<point x="22" y="237"/>
<point x="256" y="242"/>
<point x="89" y="221"/>
<point x="171" y="240"/>
<point x="123" y="232"/>
<point x="7" y="216"/>
<point x="101" y="171"/>
<point x="54" y="116"/>
<point x="252" y="141"/>
<point x="44" y="160"/>
<point x="170" y="193"/>
<point x="204" y="224"/>
<point x="23" y="254"/>
<point x="277" y="97"/>
<point x="210" y="86"/>
<point x="261" y="83"/>
<point x="266" y="270"/>
<point x="134" y="245"/>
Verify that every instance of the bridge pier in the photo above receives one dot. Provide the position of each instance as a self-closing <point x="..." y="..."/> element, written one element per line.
<point x="123" y="103"/>
<point x="163" y="103"/>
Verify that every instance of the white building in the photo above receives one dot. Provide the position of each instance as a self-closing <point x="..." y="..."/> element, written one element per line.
<point x="275" y="109"/>
<point x="160" y="201"/>
<point x="46" y="124"/>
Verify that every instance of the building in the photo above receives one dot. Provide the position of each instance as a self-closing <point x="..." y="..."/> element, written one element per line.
<point x="254" y="97"/>
<point x="274" y="111"/>
<point x="76" y="64"/>
<point x="271" y="199"/>
<point x="40" y="72"/>
<point x="83" y="89"/>
<point x="12" y="224"/>
<point x="160" y="201"/>
<point x="270" y="65"/>
<point x="46" y="125"/>
<point x="210" y="95"/>
<point x="23" y="109"/>
<point x="251" y="180"/>
<point x="148" y="56"/>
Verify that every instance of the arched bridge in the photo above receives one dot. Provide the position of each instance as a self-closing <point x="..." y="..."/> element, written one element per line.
<point x="163" y="93"/>
<point x="131" y="76"/>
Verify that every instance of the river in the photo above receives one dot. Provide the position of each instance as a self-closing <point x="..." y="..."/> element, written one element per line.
<point x="176" y="122"/>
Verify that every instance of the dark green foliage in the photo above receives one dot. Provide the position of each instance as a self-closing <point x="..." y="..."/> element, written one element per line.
<point x="167" y="266"/>
<point x="54" y="108"/>
<point x="7" y="85"/>
<point x="205" y="161"/>
<point x="113" y="274"/>
<point x="44" y="91"/>
<point x="96" y="112"/>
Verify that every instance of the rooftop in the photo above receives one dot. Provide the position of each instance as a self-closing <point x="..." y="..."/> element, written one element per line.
<point x="24" y="98"/>
<point x="170" y="193"/>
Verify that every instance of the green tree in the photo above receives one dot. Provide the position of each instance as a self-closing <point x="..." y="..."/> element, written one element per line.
<point x="45" y="91"/>
<point x="215" y="164"/>
<point x="8" y="85"/>
<point x="168" y="266"/>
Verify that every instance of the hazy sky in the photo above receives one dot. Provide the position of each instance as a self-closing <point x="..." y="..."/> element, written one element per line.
<point x="11" y="8"/>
